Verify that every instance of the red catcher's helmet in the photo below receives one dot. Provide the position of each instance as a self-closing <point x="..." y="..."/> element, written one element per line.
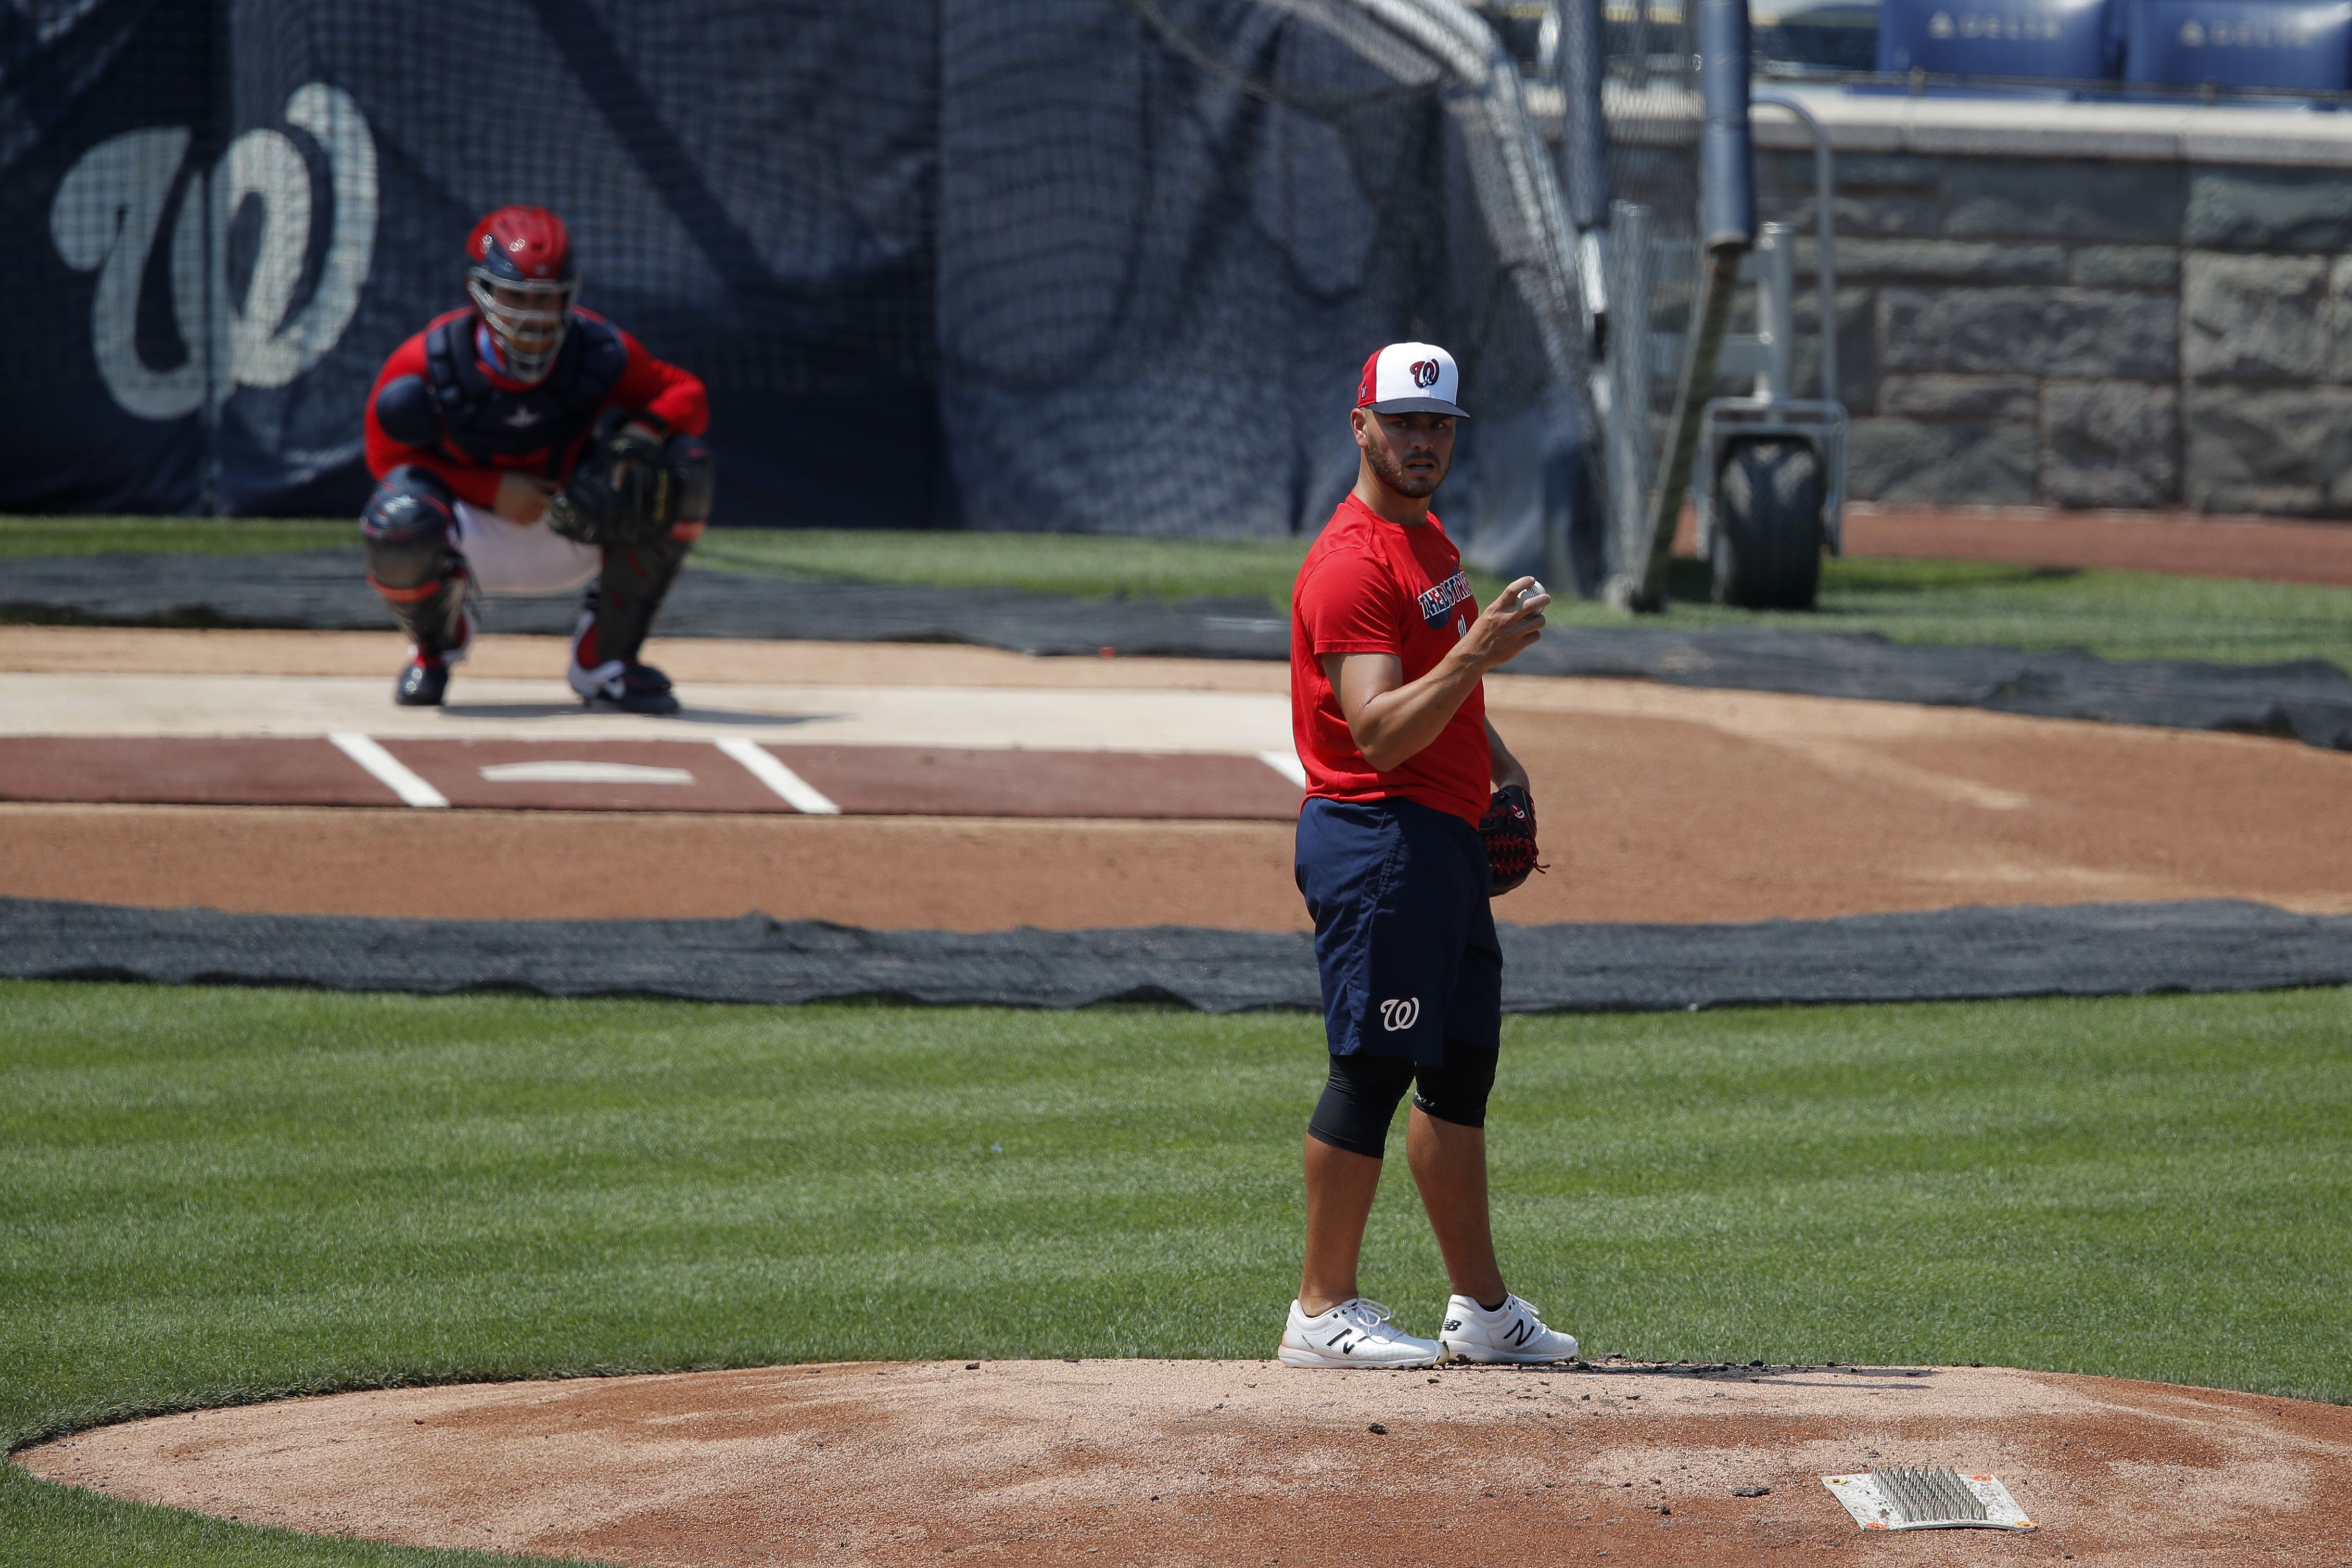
<point x="522" y="281"/>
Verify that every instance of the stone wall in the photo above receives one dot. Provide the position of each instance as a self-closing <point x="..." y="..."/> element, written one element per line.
<point x="2018" y="325"/>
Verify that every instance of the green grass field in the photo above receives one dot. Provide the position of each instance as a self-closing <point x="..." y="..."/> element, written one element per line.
<point x="215" y="1195"/>
<point x="211" y="1195"/>
<point x="35" y="537"/>
<point x="2121" y="615"/>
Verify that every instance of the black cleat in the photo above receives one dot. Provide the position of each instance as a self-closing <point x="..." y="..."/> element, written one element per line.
<point x="638" y="688"/>
<point x="422" y="685"/>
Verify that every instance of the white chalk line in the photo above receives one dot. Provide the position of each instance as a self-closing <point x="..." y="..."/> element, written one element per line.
<point x="388" y="771"/>
<point x="762" y="764"/>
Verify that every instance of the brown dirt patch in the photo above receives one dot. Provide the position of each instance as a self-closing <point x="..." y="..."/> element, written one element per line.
<point x="1225" y="1462"/>
<point x="967" y="874"/>
<point x="1659" y="804"/>
<point x="2169" y="542"/>
<point x="497" y="773"/>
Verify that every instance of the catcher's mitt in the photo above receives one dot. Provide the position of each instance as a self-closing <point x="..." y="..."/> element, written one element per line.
<point x="1509" y="828"/>
<point x="626" y="493"/>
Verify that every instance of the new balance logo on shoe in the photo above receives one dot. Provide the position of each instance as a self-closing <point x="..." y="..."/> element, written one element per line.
<point x="1515" y="1332"/>
<point x="1356" y="1332"/>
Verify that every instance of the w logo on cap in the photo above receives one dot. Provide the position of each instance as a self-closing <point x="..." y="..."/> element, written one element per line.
<point x="1409" y="378"/>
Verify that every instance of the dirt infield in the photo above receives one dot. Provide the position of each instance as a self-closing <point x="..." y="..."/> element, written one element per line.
<point x="686" y="775"/>
<point x="968" y="874"/>
<point x="1234" y="1462"/>
<point x="2263" y="548"/>
<point x="1659" y="804"/>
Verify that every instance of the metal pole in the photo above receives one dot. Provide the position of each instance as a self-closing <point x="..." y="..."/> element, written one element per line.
<point x="1774" y="289"/>
<point x="1584" y="138"/>
<point x="1825" y="227"/>
<point x="1726" y="213"/>
<point x="1629" y="373"/>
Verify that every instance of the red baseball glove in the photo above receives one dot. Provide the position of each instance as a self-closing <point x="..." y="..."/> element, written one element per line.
<point x="1509" y="828"/>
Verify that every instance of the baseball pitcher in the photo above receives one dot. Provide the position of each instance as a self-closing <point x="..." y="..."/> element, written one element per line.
<point x="1416" y="814"/>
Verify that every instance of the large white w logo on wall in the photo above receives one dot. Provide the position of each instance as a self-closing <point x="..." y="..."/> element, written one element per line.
<point x="110" y="208"/>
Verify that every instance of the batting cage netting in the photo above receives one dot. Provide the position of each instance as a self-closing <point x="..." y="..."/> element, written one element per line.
<point x="1089" y="265"/>
<point x="231" y="211"/>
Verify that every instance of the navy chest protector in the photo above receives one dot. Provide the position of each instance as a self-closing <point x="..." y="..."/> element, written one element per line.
<point x="483" y="422"/>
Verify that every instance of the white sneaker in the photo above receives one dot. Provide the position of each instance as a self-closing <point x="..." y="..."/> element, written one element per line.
<point x="1513" y="1332"/>
<point x="1356" y="1332"/>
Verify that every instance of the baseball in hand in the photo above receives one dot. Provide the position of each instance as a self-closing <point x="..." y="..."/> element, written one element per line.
<point x="1534" y="596"/>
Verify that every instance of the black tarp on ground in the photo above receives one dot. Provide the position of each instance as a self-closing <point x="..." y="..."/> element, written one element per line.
<point x="2308" y="700"/>
<point x="324" y="589"/>
<point x="327" y="591"/>
<point x="2115" y="949"/>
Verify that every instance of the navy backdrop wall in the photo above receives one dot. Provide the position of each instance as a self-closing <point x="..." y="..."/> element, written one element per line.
<point x="1083" y="264"/>
<point x="233" y="211"/>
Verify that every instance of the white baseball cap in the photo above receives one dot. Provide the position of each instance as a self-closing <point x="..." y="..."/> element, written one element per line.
<point x="1411" y="377"/>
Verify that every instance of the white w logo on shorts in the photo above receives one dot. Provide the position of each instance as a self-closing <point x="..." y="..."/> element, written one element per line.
<point x="1399" y="1013"/>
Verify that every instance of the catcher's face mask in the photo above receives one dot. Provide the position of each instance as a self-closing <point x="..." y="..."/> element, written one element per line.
<point x="528" y="318"/>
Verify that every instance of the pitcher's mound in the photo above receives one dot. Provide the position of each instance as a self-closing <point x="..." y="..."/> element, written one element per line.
<point x="1248" y="1463"/>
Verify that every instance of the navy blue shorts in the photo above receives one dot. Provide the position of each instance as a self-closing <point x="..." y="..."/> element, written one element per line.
<point x="1404" y="932"/>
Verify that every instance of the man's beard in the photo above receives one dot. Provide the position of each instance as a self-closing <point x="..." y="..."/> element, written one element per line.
<point x="1392" y="474"/>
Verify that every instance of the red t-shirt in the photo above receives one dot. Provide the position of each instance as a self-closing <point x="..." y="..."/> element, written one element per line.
<point x="1371" y="585"/>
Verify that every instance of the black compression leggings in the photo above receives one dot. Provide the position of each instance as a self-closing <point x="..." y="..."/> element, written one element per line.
<point x="1360" y="1098"/>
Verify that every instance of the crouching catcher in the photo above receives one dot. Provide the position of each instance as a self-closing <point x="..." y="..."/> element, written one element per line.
<point x="524" y="446"/>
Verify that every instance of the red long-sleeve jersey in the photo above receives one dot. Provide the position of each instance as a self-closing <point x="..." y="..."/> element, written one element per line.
<point x="442" y="402"/>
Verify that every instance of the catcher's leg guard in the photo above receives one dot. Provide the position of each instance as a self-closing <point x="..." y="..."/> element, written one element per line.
<point x="615" y="621"/>
<point x="406" y="531"/>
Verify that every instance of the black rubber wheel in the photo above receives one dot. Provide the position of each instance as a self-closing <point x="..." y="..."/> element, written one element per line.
<point x="1769" y="499"/>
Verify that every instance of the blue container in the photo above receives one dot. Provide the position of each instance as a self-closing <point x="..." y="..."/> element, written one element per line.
<point x="2241" y="43"/>
<point x="2065" y="39"/>
<point x="1837" y="34"/>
